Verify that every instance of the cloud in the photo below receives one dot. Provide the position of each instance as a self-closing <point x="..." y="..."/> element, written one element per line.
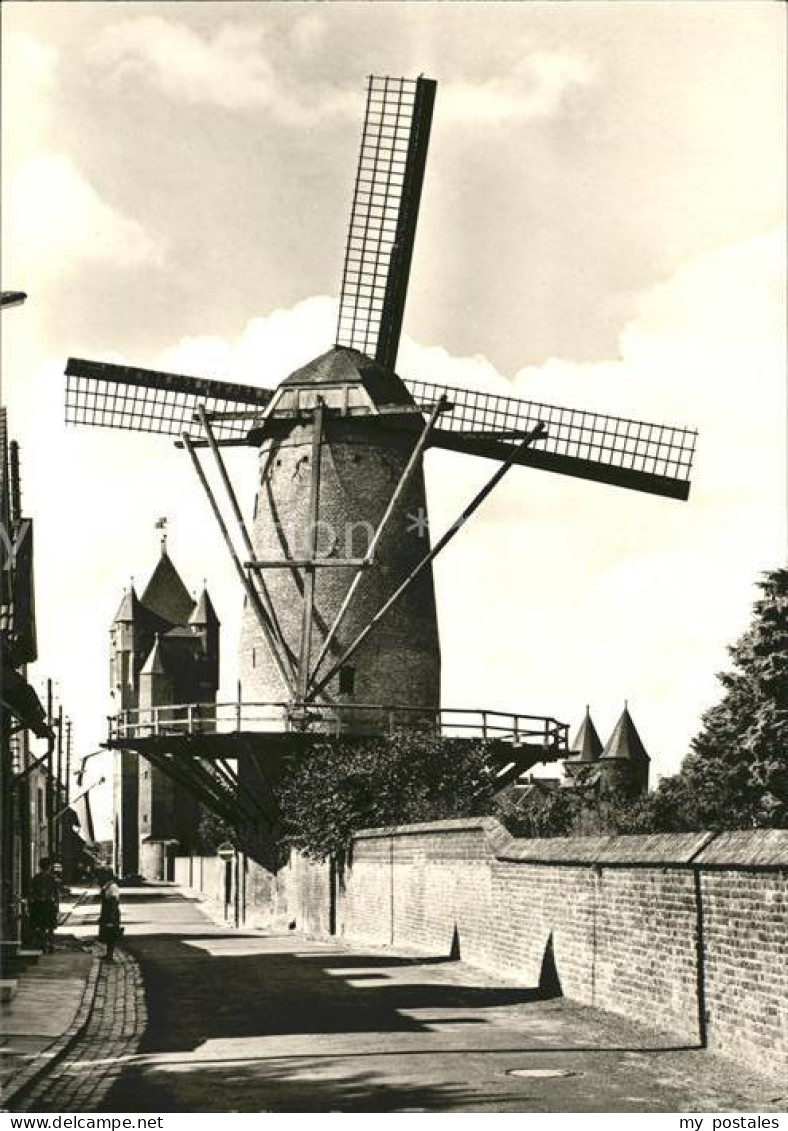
<point x="238" y="67"/>
<point x="54" y="219"/>
<point x="265" y="352"/>
<point x="231" y="68"/>
<point x="536" y="88"/>
<point x="27" y="76"/>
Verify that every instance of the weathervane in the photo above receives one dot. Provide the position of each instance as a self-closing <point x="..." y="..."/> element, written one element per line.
<point x="161" y="524"/>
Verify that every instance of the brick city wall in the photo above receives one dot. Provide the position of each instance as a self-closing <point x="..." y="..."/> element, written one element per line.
<point x="688" y="933"/>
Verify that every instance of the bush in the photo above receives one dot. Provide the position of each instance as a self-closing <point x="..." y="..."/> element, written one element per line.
<point x="342" y="786"/>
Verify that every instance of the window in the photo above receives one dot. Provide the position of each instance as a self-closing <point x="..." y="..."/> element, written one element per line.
<point x="347" y="681"/>
<point x="254" y="657"/>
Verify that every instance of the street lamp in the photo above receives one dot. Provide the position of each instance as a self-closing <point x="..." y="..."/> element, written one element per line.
<point x="65" y="809"/>
<point x="12" y="298"/>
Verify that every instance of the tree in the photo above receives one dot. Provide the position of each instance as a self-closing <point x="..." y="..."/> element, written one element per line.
<point x="410" y="776"/>
<point x="736" y="775"/>
<point x="542" y="812"/>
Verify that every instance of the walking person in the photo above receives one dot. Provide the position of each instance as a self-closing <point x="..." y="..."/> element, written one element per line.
<point x="44" y="903"/>
<point x="110" y="929"/>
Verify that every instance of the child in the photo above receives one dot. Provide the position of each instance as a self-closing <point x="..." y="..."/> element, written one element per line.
<point x="109" y="915"/>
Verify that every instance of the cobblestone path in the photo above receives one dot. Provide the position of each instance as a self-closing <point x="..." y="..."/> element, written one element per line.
<point x="82" y="1079"/>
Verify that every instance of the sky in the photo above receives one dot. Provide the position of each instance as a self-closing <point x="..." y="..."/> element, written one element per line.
<point x="602" y="227"/>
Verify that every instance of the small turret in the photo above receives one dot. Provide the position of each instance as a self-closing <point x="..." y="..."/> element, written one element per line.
<point x="125" y="637"/>
<point x="204" y="624"/>
<point x="204" y="615"/>
<point x="129" y="607"/>
<point x="624" y="761"/>
<point x="156" y="686"/>
<point x="587" y="745"/>
<point x="584" y="751"/>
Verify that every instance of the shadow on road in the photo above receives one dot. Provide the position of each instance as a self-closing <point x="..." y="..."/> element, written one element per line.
<point x="239" y="1023"/>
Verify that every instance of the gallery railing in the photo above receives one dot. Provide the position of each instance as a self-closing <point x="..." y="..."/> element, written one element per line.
<point x="337" y="719"/>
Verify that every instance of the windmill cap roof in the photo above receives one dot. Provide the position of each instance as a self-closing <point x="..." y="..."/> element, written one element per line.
<point x="587" y="745"/>
<point x="625" y="742"/>
<point x="342" y="365"/>
<point x="166" y="595"/>
<point x="204" y="612"/>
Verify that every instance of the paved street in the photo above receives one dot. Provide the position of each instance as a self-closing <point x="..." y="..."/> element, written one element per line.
<point x="241" y="1021"/>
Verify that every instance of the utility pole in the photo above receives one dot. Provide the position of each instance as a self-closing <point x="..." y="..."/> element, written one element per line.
<point x="50" y="799"/>
<point x="58" y="785"/>
<point x="68" y="761"/>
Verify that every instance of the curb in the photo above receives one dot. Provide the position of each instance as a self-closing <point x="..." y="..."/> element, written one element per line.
<point x="54" y="1052"/>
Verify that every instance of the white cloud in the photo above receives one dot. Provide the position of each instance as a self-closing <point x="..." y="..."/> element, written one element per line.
<point x="54" y="219"/>
<point x="537" y="88"/>
<point x="236" y="67"/>
<point x="230" y="68"/>
<point x="27" y="76"/>
<point x="265" y="352"/>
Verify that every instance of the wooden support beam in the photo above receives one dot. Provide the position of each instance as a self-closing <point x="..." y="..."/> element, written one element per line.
<point x="309" y="574"/>
<point x="171" y="767"/>
<point x="265" y="597"/>
<point x="404" y="479"/>
<point x="251" y="592"/>
<point x="243" y="792"/>
<point x="310" y="563"/>
<point x="476" y="502"/>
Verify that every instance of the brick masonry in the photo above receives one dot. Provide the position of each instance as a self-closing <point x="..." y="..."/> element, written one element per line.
<point x="688" y="933"/>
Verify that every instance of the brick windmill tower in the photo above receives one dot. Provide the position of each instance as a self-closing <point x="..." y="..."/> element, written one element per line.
<point x="340" y="630"/>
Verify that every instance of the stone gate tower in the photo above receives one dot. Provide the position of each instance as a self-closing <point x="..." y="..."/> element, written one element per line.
<point x="164" y="650"/>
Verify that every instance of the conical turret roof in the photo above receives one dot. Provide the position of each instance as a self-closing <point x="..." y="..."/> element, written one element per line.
<point x="166" y="595"/>
<point x="128" y="608"/>
<point x="625" y="742"/>
<point x="154" y="665"/>
<point x="204" y="612"/>
<point x="587" y="745"/>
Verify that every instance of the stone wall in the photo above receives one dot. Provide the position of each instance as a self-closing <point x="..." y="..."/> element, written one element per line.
<point x="688" y="933"/>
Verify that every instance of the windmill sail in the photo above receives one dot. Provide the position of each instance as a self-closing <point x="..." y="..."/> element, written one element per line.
<point x="145" y="400"/>
<point x="384" y="215"/>
<point x="654" y="458"/>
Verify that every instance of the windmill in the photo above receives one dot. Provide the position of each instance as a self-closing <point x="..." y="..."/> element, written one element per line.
<point x="340" y="626"/>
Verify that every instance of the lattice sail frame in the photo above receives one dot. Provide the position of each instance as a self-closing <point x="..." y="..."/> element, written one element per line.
<point x="660" y="451"/>
<point x="632" y="453"/>
<point x="383" y="215"/>
<point x="144" y="400"/>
